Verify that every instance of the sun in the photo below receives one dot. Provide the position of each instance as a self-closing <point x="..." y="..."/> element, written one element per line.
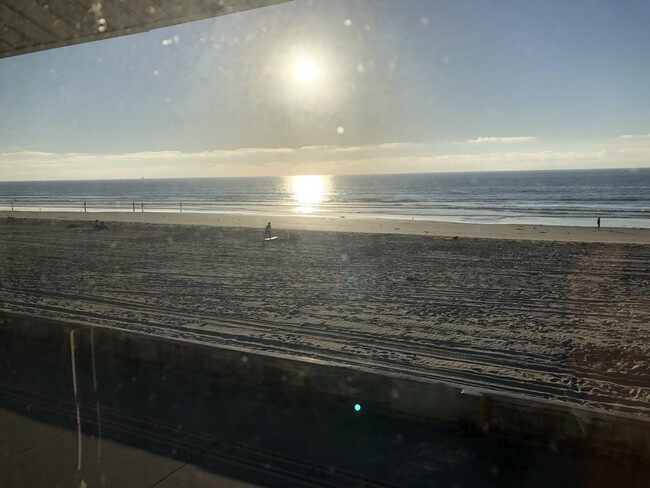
<point x="305" y="70"/>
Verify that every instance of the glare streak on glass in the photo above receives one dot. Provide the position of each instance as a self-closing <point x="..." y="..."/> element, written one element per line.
<point x="99" y="423"/>
<point x="76" y="398"/>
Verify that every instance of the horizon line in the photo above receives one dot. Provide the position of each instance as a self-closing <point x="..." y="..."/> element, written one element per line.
<point x="522" y="170"/>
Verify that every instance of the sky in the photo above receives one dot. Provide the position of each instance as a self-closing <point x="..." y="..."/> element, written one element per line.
<point x="385" y="87"/>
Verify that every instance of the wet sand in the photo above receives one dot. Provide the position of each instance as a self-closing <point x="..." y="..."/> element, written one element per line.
<point x="549" y="312"/>
<point x="362" y="225"/>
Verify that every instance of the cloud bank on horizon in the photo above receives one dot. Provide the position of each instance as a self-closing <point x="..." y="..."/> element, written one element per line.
<point x="392" y="87"/>
<point x="21" y="165"/>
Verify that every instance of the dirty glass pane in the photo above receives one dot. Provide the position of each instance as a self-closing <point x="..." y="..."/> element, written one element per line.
<point x="337" y="243"/>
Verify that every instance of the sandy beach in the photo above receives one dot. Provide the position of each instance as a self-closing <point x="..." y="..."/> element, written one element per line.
<point x="360" y="225"/>
<point x="553" y="312"/>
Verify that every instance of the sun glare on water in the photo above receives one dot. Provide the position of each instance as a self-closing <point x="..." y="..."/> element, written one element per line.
<point x="308" y="190"/>
<point x="305" y="70"/>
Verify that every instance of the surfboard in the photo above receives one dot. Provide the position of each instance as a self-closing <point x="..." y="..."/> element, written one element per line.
<point x="270" y="238"/>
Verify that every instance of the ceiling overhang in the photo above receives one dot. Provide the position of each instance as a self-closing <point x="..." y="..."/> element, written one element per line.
<point x="28" y="26"/>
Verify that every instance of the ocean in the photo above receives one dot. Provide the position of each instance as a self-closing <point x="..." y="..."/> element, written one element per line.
<point x="621" y="198"/>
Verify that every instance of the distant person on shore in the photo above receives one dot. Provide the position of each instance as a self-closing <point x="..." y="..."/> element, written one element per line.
<point x="598" y="223"/>
<point x="267" y="230"/>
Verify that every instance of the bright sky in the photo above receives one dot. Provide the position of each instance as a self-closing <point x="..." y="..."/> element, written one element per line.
<point x="339" y="87"/>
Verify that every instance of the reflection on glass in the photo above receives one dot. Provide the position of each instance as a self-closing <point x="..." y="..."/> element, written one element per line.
<point x="309" y="191"/>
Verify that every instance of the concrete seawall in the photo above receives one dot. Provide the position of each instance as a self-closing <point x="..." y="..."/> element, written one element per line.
<point x="548" y="422"/>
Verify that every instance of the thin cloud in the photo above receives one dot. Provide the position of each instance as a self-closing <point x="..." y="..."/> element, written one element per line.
<point x="400" y="145"/>
<point x="347" y="149"/>
<point x="641" y="152"/>
<point x="480" y="140"/>
<point x="635" y="136"/>
<point x="145" y="155"/>
<point x="259" y="150"/>
<point x="27" y="154"/>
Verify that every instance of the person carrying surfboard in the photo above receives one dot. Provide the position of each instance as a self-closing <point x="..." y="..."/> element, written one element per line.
<point x="267" y="230"/>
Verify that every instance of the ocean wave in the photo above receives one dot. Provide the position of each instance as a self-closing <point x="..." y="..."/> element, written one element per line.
<point x="486" y="197"/>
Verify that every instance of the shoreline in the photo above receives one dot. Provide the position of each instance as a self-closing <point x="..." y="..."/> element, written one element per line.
<point x="281" y="224"/>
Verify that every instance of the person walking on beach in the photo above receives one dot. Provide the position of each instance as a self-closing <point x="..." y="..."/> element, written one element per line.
<point x="267" y="230"/>
<point x="598" y="223"/>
